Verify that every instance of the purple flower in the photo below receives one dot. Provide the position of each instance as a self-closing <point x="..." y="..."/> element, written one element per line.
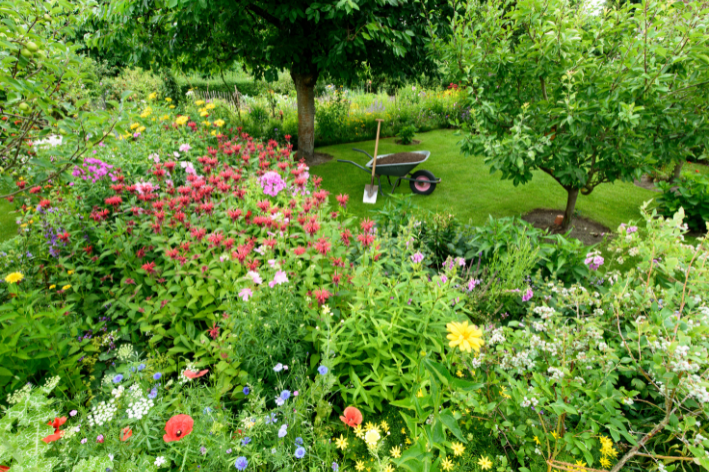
<point x="245" y="294"/>
<point x="157" y="376"/>
<point x="335" y="467"/>
<point x="141" y="367"/>
<point x="285" y="394"/>
<point x="299" y="441"/>
<point x="153" y="393"/>
<point x="245" y="441"/>
<point x="73" y="413"/>
<point x="203" y="450"/>
<point x="272" y="183"/>
<point x="416" y="258"/>
<point x="117" y="379"/>
<point x="246" y="390"/>
<point x="84" y="441"/>
<point x="300" y="452"/>
<point x="241" y="463"/>
<point x="527" y="295"/>
<point x="472" y="283"/>
<point x="322" y="370"/>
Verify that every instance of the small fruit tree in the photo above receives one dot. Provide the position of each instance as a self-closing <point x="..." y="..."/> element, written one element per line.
<point x="585" y="96"/>
<point x="38" y="69"/>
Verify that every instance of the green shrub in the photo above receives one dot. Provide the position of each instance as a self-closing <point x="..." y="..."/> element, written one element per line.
<point x="169" y="87"/>
<point x="406" y="135"/>
<point x="690" y="193"/>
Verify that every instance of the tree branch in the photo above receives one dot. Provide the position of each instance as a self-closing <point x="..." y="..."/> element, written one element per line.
<point x="264" y="14"/>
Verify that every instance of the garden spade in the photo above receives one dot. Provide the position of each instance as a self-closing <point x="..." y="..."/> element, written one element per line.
<point x="370" y="191"/>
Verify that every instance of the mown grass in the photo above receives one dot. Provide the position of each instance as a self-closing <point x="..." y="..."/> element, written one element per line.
<point x="8" y="228"/>
<point x="468" y="190"/>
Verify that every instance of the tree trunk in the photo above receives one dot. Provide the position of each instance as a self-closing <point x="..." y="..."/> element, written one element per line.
<point x="677" y="170"/>
<point x="305" y="88"/>
<point x="573" y="194"/>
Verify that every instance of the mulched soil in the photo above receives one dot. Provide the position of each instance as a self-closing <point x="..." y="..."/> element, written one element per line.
<point x="401" y="158"/>
<point x="585" y="230"/>
<point x="319" y="158"/>
<point x="647" y="183"/>
<point x="412" y="143"/>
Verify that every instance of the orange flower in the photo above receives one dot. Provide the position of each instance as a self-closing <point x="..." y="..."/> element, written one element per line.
<point x="178" y="427"/>
<point x="4" y="468"/>
<point x="352" y="418"/>
<point x="56" y="424"/>
<point x="126" y="433"/>
<point x="193" y="375"/>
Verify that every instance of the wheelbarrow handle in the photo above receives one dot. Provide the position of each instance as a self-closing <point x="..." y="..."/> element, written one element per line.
<point x="363" y="152"/>
<point x="354" y="164"/>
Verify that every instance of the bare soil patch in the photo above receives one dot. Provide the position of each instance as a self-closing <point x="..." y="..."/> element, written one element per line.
<point x="584" y="229"/>
<point x="319" y="158"/>
<point x="647" y="183"/>
<point x="401" y="158"/>
<point x="412" y="143"/>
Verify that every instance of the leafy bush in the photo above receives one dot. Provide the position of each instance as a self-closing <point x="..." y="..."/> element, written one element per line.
<point x="690" y="193"/>
<point x="406" y="135"/>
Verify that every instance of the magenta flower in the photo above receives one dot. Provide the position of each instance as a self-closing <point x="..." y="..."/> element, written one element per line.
<point x="416" y="258"/>
<point x="272" y="183"/>
<point x="246" y="293"/>
<point x="279" y="278"/>
<point x="527" y="295"/>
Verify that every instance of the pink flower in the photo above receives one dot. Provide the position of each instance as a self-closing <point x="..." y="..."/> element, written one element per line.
<point x="472" y="283"/>
<point x="527" y="295"/>
<point x="245" y="294"/>
<point x="272" y="183"/>
<point x="416" y="258"/>
<point x="279" y="278"/>
<point x="185" y="147"/>
<point x="255" y="277"/>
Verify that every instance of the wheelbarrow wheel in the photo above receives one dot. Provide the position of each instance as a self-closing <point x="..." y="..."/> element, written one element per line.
<point x="419" y="184"/>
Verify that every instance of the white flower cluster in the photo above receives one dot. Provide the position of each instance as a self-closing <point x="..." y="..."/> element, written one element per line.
<point x="135" y="391"/>
<point x="556" y="373"/>
<point x="545" y="312"/>
<point x="71" y="432"/>
<point x="118" y="392"/>
<point x="681" y="363"/>
<point x="477" y="361"/>
<point x="102" y="413"/>
<point x="529" y="402"/>
<point x="697" y="390"/>
<point x="633" y="251"/>
<point x="51" y="383"/>
<point x="521" y="360"/>
<point x="18" y="395"/>
<point x="539" y="343"/>
<point x="538" y="326"/>
<point x="125" y="352"/>
<point x="139" y="408"/>
<point x="496" y="338"/>
<point x="191" y="367"/>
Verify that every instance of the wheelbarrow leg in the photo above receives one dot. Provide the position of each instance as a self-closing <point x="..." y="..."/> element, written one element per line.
<point x="396" y="184"/>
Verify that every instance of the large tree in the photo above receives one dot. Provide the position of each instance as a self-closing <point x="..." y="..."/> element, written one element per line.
<point x="587" y="97"/>
<point x="306" y="38"/>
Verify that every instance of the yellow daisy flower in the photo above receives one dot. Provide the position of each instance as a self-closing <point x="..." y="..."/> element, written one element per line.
<point x="395" y="452"/>
<point x="464" y="336"/>
<point x="168" y="99"/>
<point x="389" y="468"/>
<point x="14" y="278"/>
<point x="52" y="286"/>
<point x="70" y="272"/>
<point x="66" y="287"/>
<point x="485" y="463"/>
<point x="341" y="442"/>
<point x="447" y="464"/>
<point x="359" y="466"/>
<point x="458" y="449"/>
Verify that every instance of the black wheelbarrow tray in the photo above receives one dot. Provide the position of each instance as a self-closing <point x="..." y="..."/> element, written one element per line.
<point x="422" y="182"/>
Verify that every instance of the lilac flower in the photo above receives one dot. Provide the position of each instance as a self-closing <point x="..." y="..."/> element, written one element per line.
<point x="444" y="279"/>
<point x="416" y="258"/>
<point x="280" y="401"/>
<point x="278" y="367"/>
<point x="245" y="441"/>
<point x="285" y="394"/>
<point x="279" y="278"/>
<point x="322" y="370"/>
<point x="141" y="367"/>
<point x="272" y="183"/>
<point x="153" y="393"/>
<point x="84" y="441"/>
<point x="73" y="413"/>
<point x="283" y="431"/>
<point x="245" y="294"/>
<point x="241" y="463"/>
<point x="299" y="441"/>
<point x="593" y="261"/>
<point x="203" y="450"/>
<point x="335" y="467"/>
<point x="460" y="261"/>
<point x="117" y="379"/>
<point x="300" y="452"/>
<point x="527" y="295"/>
<point x="631" y="229"/>
<point x="472" y="283"/>
<point x="157" y="376"/>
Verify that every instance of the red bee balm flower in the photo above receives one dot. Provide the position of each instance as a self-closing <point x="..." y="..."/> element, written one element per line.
<point x="178" y="427"/>
<point x="194" y="375"/>
<point x="126" y="433"/>
<point x="352" y="418"/>
<point x="56" y="424"/>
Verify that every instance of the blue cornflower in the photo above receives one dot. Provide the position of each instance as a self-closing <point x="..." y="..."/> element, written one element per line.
<point x="246" y="390"/>
<point x="285" y="394"/>
<point x="335" y="467"/>
<point x="300" y="453"/>
<point x="117" y="379"/>
<point x="299" y="441"/>
<point x="322" y="370"/>
<point x="141" y="367"/>
<point x="153" y="393"/>
<point x="157" y="376"/>
<point x="283" y="431"/>
<point x="207" y="410"/>
<point x="241" y="463"/>
<point x="245" y="441"/>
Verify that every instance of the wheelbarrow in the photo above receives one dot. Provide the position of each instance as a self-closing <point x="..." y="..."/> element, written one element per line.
<point x="422" y="182"/>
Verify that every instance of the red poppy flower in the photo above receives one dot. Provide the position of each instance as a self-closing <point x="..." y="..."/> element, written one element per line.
<point x="57" y="423"/>
<point x="352" y="418"/>
<point x="178" y="427"/>
<point x="126" y="433"/>
<point x="194" y="375"/>
<point x="53" y="437"/>
<point x="4" y="468"/>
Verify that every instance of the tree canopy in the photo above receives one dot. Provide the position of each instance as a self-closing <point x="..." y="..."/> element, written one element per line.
<point x="306" y="38"/>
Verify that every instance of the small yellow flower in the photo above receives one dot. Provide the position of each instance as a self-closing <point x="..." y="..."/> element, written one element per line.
<point x="420" y="394"/>
<point x="141" y="129"/>
<point x="385" y="426"/>
<point x="66" y="287"/>
<point x="536" y="440"/>
<point x="403" y="430"/>
<point x="605" y="463"/>
<point x="485" y="463"/>
<point x="447" y="464"/>
<point x="459" y="373"/>
<point x="359" y="431"/>
<point x="458" y="449"/>
<point x="389" y="468"/>
<point x="52" y="286"/>
<point x="555" y="435"/>
<point x="181" y="120"/>
<point x="206" y="123"/>
<point x="395" y="452"/>
<point x="219" y="123"/>
<point x="199" y="103"/>
<point x="70" y="272"/>
<point x="171" y="107"/>
<point x="464" y="336"/>
<point x="152" y="96"/>
<point x="503" y="392"/>
<point x="14" y="278"/>
<point x="134" y="125"/>
<point x="359" y="466"/>
<point x="341" y="442"/>
<point x="23" y="225"/>
<point x="204" y="113"/>
<point x="580" y="465"/>
<point x="210" y="106"/>
<point x="408" y="441"/>
<point x="168" y="99"/>
<point x="213" y="133"/>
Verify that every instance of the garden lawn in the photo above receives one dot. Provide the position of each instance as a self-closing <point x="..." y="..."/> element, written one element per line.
<point x="8" y="228"/>
<point x="468" y="190"/>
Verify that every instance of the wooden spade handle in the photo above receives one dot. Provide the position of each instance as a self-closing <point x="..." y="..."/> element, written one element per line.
<point x="376" y="146"/>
